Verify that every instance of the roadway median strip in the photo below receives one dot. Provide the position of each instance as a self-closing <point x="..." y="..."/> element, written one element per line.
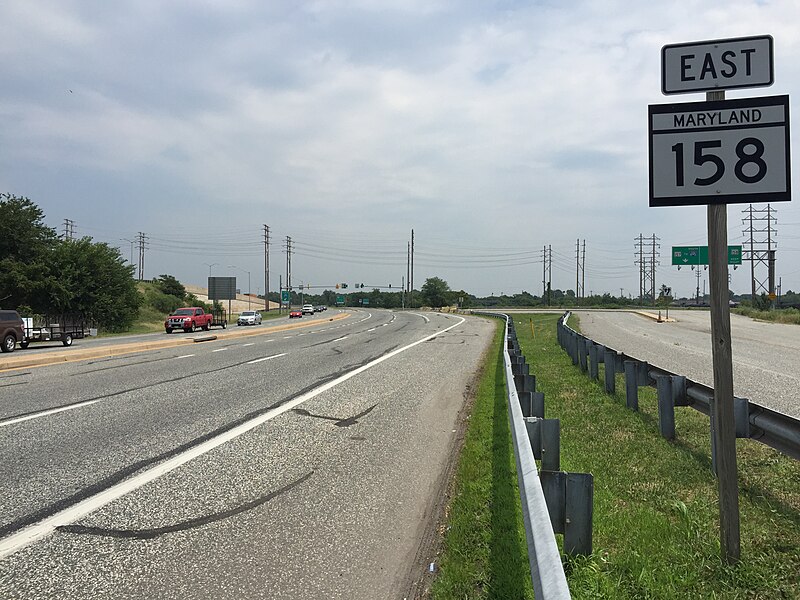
<point x="78" y="354"/>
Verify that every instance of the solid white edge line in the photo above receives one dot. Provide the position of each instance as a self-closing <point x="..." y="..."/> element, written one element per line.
<point x="427" y="320"/>
<point x="258" y="360"/>
<point x="10" y="544"/>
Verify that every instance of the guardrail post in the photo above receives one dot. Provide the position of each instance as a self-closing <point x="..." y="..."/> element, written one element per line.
<point x="642" y="374"/>
<point x="741" y="415"/>
<point x="679" y="397"/>
<point x="569" y="498"/>
<point x="593" y="370"/>
<point x="537" y="404"/>
<point x="609" y="362"/>
<point x="573" y="347"/>
<point x="525" y="383"/>
<point x="631" y="389"/>
<point x="545" y="439"/>
<point x="666" y="409"/>
<point x="525" y="403"/>
<point x="582" y="353"/>
<point x="579" y="513"/>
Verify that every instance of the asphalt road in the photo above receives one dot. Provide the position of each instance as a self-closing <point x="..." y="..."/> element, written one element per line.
<point x="298" y="464"/>
<point x="766" y="356"/>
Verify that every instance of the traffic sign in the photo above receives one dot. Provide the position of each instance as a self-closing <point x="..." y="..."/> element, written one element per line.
<point x="717" y="65"/>
<point x="285" y="296"/>
<point x="698" y="255"/>
<point x="719" y="152"/>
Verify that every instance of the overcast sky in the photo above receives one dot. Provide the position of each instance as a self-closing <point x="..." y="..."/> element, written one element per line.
<point x="492" y="129"/>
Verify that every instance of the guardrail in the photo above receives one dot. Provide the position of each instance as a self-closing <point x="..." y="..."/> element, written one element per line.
<point x="539" y="513"/>
<point x="753" y="421"/>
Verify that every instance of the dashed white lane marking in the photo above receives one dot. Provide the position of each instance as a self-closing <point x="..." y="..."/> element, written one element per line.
<point x="219" y="350"/>
<point x="250" y="344"/>
<point x="373" y="329"/>
<point x="10" y="544"/>
<point x="427" y="320"/>
<point x="287" y="337"/>
<point x="185" y="356"/>
<point x="45" y="413"/>
<point x="258" y="360"/>
<point x="341" y="338"/>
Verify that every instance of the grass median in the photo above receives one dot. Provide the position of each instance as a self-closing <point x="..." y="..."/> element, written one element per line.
<point x="655" y="501"/>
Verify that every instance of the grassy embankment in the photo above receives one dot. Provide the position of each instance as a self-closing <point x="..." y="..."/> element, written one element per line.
<point x="655" y="501"/>
<point x="151" y="319"/>
<point x="782" y="315"/>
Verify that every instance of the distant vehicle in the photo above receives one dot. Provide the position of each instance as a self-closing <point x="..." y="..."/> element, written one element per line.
<point x="319" y="308"/>
<point x="188" y="319"/>
<point x="308" y="309"/>
<point x="63" y="328"/>
<point x="295" y="313"/>
<point x="249" y="317"/>
<point x="11" y="330"/>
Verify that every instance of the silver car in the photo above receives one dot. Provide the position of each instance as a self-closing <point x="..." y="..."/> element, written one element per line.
<point x="249" y="317"/>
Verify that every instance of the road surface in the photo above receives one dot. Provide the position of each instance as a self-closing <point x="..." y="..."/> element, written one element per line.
<point x="299" y="464"/>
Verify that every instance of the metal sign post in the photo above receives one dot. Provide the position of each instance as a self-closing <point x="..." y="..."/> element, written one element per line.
<point x="719" y="152"/>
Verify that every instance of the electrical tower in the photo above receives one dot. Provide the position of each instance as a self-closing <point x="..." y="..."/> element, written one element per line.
<point x="647" y="266"/>
<point x="547" y="269"/>
<point x="142" y="241"/>
<point x="69" y="229"/>
<point x="760" y="248"/>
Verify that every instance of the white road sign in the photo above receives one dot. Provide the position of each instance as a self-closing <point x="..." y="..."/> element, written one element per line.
<point x="717" y="65"/>
<point x="720" y="152"/>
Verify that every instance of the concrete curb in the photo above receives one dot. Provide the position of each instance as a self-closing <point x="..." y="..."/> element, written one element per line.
<point x="78" y="354"/>
<point x="654" y="317"/>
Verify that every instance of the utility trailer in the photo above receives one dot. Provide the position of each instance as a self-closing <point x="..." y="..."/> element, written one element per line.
<point x="64" y="329"/>
<point x="219" y="318"/>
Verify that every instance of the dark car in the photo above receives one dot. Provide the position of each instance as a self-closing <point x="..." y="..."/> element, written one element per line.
<point x="12" y="330"/>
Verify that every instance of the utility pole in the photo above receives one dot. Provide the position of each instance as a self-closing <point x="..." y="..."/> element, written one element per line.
<point x="583" y="270"/>
<point x="653" y="263"/>
<point x="142" y="247"/>
<point x="289" y="267"/>
<point x="549" y="273"/>
<point x="544" y="275"/>
<point x="266" y="268"/>
<point x="580" y="270"/>
<point x="411" y="299"/>
<point x="69" y="229"/>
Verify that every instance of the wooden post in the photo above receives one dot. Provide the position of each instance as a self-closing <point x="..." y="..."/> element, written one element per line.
<point x="722" y="410"/>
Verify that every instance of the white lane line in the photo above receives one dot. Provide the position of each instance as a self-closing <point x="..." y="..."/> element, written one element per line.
<point x="250" y="344"/>
<point x="427" y="320"/>
<point x="46" y="413"/>
<point x="10" y="544"/>
<point x="219" y="350"/>
<point x="258" y="360"/>
<point x="184" y="356"/>
<point x="341" y="338"/>
<point x="373" y="329"/>
<point x="287" y="337"/>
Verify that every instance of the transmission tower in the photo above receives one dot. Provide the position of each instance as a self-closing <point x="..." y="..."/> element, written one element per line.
<point x="580" y="269"/>
<point x="760" y="248"/>
<point x="289" y="265"/>
<point x="647" y="266"/>
<point x="69" y="229"/>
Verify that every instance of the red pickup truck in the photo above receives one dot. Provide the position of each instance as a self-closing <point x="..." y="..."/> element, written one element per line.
<point x="188" y="319"/>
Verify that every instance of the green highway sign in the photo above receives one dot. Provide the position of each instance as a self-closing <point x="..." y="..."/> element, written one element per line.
<point x="340" y="300"/>
<point x="365" y="302"/>
<point x="698" y="255"/>
<point x="285" y="298"/>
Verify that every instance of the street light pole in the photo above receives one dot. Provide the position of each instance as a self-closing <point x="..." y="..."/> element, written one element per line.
<point x="131" y="243"/>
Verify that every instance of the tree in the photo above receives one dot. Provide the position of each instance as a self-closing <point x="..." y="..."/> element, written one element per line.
<point x="435" y="292"/>
<point x="95" y="282"/>
<point x="171" y="286"/>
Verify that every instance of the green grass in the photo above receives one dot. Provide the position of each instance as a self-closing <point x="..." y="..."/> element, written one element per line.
<point x="655" y="501"/>
<point x="782" y="315"/>
<point x="655" y="532"/>
<point x="484" y="554"/>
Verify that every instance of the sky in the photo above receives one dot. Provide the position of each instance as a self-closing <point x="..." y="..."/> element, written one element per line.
<point x="493" y="129"/>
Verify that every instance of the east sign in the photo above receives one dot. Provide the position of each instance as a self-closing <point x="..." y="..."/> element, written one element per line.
<point x="717" y="65"/>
